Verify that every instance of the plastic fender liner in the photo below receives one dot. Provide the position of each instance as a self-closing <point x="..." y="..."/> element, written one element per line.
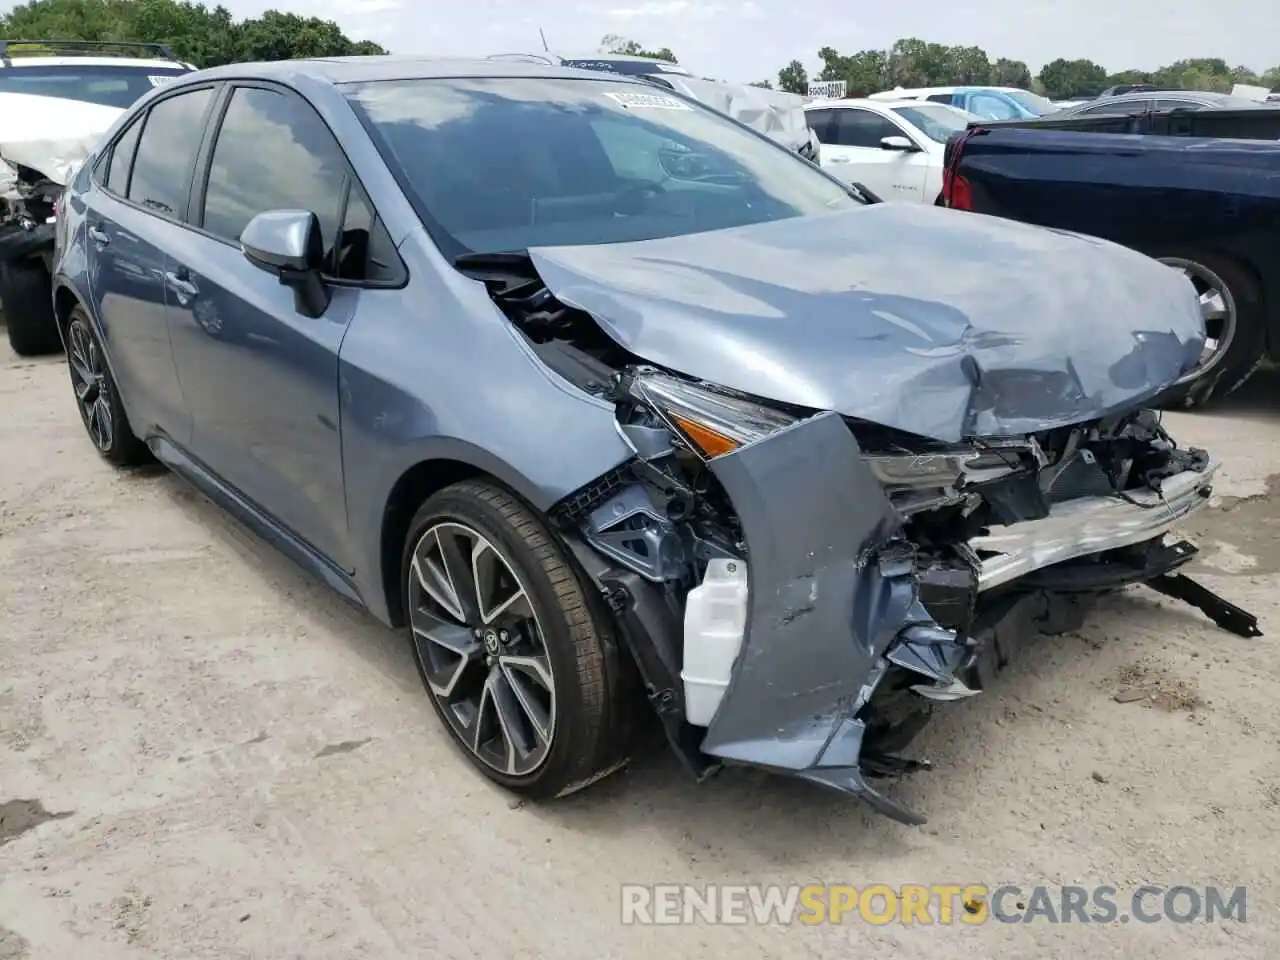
<point x="825" y="601"/>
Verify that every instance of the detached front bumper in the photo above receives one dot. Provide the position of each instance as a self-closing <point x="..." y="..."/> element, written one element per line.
<point x="1089" y="525"/>
<point x="835" y="604"/>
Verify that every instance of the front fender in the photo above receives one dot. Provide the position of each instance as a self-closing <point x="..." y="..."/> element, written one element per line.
<point x="833" y="598"/>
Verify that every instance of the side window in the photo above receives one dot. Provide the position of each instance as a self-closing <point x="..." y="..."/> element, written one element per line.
<point x="992" y="108"/>
<point x="1123" y="109"/>
<point x="166" y="154"/>
<point x="121" y="160"/>
<point x="822" y="123"/>
<point x="273" y="152"/>
<point x="1174" y="105"/>
<point x="942" y="97"/>
<point x="862" y="128"/>
<point x="364" y="250"/>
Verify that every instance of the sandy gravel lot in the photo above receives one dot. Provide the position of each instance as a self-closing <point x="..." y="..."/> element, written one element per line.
<point x="205" y="755"/>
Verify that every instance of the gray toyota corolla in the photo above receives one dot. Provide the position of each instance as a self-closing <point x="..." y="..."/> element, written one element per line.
<point x="606" y="399"/>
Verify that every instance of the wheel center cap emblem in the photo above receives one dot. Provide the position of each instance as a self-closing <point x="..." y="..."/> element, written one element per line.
<point x="491" y="643"/>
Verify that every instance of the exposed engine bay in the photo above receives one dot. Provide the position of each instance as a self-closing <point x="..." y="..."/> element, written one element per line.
<point x="870" y="574"/>
<point x="29" y="200"/>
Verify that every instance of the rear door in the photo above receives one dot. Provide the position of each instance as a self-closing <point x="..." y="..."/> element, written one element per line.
<point x="134" y="213"/>
<point x="261" y="378"/>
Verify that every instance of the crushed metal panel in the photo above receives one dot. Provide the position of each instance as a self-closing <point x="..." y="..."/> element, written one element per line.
<point x="821" y="610"/>
<point x="991" y="328"/>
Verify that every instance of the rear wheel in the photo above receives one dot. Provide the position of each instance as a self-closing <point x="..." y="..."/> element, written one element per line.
<point x="27" y="294"/>
<point x="1231" y="302"/>
<point x="97" y="398"/>
<point x="519" y="665"/>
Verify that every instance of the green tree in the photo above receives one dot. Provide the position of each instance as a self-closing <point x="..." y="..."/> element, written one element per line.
<point x="1129" y="76"/>
<point x="1011" y="73"/>
<point x="863" y="72"/>
<point x="612" y="43"/>
<point x="794" y="78"/>
<point x="202" y="35"/>
<point x="968" y="65"/>
<point x="1243" y="74"/>
<point x="1271" y="79"/>
<point x="1200" y="73"/>
<point x="1063" y="79"/>
<point x="917" y="63"/>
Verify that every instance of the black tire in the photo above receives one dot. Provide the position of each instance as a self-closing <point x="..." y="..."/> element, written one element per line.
<point x="27" y="293"/>
<point x="117" y="445"/>
<point x="592" y="692"/>
<point x="1248" y="346"/>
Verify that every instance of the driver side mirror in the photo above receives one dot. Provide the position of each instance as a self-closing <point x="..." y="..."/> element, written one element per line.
<point x="901" y="144"/>
<point x="288" y="243"/>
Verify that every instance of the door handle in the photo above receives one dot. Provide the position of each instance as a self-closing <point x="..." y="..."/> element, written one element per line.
<point x="98" y="235"/>
<point x="184" y="288"/>
<point x="839" y="159"/>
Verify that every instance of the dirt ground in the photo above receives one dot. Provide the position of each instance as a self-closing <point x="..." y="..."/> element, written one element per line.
<point x="205" y="755"/>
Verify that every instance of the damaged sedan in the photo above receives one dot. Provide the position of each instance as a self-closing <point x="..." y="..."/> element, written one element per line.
<point x="615" y="406"/>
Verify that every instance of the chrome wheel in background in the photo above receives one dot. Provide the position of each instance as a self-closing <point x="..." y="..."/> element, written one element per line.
<point x="1217" y="307"/>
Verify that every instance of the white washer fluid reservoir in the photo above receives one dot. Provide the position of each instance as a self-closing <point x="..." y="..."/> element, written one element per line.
<point x="715" y="617"/>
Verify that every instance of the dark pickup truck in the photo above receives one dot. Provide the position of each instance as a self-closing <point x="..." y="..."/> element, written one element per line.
<point x="1192" y="198"/>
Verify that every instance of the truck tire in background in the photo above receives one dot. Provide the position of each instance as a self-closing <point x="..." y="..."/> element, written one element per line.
<point x="26" y="291"/>
<point x="1244" y="327"/>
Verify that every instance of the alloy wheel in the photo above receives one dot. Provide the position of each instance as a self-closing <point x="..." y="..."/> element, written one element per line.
<point x="481" y="648"/>
<point x="89" y="380"/>
<point x="1217" y="307"/>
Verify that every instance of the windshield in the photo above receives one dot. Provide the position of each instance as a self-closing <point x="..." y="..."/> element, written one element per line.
<point x="504" y="164"/>
<point x="935" y="120"/>
<point x="1029" y="101"/>
<point x="104" y="84"/>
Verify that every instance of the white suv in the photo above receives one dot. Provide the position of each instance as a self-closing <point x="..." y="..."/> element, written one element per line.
<point x="108" y="74"/>
<point x="57" y="99"/>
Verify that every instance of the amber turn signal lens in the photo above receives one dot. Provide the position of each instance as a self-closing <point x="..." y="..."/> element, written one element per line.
<point x="709" y="443"/>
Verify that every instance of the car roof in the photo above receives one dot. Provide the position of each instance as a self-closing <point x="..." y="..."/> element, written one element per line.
<point x="1166" y="95"/>
<point x="924" y="91"/>
<point x="1196" y="96"/>
<point x="18" y="63"/>
<point x="343" y="70"/>
<point x="867" y="102"/>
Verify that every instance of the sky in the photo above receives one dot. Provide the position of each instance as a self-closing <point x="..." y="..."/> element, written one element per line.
<point x="748" y="40"/>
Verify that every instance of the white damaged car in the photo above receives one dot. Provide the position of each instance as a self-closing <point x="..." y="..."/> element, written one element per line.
<point x="57" y="99"/>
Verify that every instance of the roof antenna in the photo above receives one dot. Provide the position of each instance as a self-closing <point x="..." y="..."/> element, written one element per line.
<point x="545" y="48"/>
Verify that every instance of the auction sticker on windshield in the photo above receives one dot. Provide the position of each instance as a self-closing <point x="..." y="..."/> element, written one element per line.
<point x="649" y="101"/>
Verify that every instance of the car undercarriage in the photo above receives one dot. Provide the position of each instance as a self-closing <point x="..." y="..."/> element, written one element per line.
<point x="888" y="573"/>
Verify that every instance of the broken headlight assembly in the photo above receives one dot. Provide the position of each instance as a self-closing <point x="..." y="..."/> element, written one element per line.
<point x="715" y="422"/>
<point x="712" y="422"/>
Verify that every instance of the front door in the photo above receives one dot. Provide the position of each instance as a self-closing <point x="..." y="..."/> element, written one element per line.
<point x="261" y="378"/>
<point x="857" y="156"/>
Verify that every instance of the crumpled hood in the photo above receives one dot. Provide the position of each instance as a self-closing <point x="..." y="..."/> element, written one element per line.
<point x="938" y="322"/>
<point x="50" y="134"/>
